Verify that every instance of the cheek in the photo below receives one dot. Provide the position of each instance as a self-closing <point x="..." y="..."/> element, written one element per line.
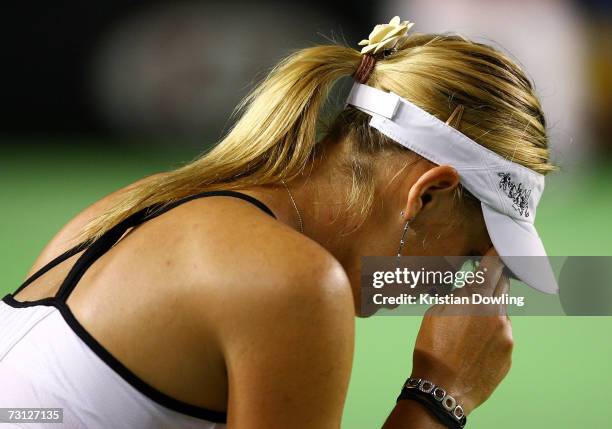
<point x="475" y="239"/>
<point x="452" y="244"/>
<point x="457" y="245"/>
<point x="480" y="235"/>
<point x="463" y="239"/>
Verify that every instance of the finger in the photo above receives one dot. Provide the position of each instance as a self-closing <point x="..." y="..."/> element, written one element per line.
<point x="491" y="252"/>
<point x="467" y="290"/>
<point x="508" y="292"/>
<point x="502" y="288"/>
<point x="503" y="284"/>
<point x="487" y="269"/>
<point x="491" y="268"/>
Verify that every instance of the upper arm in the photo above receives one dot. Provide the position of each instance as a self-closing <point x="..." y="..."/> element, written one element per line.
<point x="289" y="351"/>
<point x="66" y="238"/>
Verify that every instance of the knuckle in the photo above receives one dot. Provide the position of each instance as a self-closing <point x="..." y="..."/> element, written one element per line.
<point x="507" y="343"/>
<point x="498" y="323"/>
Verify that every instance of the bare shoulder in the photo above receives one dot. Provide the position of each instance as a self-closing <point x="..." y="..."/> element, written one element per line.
<point x="248" y="269"/>
<point x="240" y="246"/>
<point x="282" y="311"/>
<point x="65" y="239"/>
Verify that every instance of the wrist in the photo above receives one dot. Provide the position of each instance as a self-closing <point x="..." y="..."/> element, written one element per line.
<point x="436" y="399"/>
<point x="451" y="385"/>
<point x="411" y="414"/>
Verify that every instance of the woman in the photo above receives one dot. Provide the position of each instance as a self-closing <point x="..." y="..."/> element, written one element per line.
<point x="224" y="292"/>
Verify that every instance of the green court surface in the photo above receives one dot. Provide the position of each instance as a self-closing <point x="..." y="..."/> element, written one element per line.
<point x="561" y="371"/>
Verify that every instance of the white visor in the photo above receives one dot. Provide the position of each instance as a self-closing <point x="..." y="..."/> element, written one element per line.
<point x="509" y="192"/>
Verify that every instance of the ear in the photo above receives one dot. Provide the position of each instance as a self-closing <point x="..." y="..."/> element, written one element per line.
<point x="430" y="189"/>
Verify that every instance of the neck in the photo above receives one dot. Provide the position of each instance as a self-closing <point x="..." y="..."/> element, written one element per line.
<point x="320" y="196"/>
<point x="320" y="200"/>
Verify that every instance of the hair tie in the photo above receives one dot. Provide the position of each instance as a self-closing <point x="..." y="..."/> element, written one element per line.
<point x="362" y="74"/>
<point x="384" y="38"/>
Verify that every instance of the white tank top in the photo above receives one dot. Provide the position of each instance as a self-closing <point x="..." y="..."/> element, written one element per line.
<point x="49" y="360"/>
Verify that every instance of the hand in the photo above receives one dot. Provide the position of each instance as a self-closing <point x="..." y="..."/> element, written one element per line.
<point x="467" y="353"/>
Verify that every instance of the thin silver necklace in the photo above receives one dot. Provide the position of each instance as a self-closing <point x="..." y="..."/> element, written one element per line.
<point x="297" y="211"/>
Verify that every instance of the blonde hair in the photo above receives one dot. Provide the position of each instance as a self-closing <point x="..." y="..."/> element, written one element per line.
<point x="276" y="135"/>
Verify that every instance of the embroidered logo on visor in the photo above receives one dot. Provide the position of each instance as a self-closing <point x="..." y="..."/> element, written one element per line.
<point x="518" y="194"/>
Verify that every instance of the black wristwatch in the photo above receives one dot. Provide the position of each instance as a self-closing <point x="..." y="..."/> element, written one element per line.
<point x="436" y="400"/>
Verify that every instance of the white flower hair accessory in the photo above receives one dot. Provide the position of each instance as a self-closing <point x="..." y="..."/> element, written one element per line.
<point x="387" y="36"/>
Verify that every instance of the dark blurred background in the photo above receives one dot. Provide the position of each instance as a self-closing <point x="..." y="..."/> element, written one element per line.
<point x="159" y="68"/>
<point x="113" y="71"/>
<point x="98" y="94"/>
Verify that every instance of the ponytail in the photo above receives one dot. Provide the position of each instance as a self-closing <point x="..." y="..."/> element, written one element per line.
<point x="273" y="140"/>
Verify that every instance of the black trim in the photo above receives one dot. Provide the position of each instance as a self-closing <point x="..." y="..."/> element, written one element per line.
<point x="144" y="214"/>
<point x="9" y="299"/>
<point x="125" y="373"/>
<point x="61" y="258"/>
<point x="222" y="193"/>
<point x="92" y="252"/>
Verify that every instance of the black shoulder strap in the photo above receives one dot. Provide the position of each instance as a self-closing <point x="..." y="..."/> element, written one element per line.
<point x="110" y="237"/>
<point x="234" y="194"/>
<point x="61" y="258"/>
<point x="93" y="252"/>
